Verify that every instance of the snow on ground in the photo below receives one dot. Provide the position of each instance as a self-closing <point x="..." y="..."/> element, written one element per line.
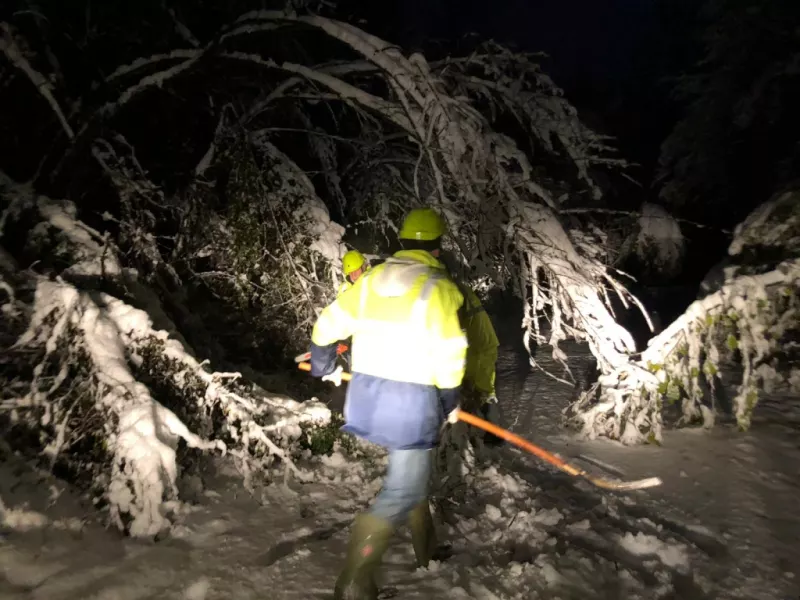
<point x="721" y="526"/>
<point x="728" y="502"/>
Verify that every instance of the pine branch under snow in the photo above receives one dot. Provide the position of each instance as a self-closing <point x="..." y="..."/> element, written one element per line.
<point x="144" y="468"/>
<point x="458" y="130"/>
<point x="142" y="433"/>
<point x="498" y="208"/>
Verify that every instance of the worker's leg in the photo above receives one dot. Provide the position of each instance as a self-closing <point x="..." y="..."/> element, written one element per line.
<point x="404" y="497"/>
<point x="369" y="539"/>
<point x="404" y="488"/>
<point x="490" y="410"/>
<point x="423" y="535"/>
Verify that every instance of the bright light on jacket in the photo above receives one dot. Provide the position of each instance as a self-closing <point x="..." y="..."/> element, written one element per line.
<point x="408" y="349"/>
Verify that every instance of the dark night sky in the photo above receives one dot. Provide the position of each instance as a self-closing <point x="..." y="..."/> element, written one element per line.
<point x="583" y="36"/>
<point x="609" y="56"/>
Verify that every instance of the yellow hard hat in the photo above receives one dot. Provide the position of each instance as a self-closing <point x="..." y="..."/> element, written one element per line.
<point x="423" y="224"/>
<point x="352" y="261"/>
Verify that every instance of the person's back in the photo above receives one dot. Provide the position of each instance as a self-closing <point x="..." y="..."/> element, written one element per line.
<point x="408" y="360"/>
<point x="406" y="345"/>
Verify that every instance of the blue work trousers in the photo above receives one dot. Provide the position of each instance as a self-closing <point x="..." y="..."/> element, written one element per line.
<point x="405" y="486"/>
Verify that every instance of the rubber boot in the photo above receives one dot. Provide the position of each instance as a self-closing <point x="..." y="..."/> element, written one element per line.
<point x="423" y="533"/>
<point x="369" y="540"/>
<point x="423" y="536"/>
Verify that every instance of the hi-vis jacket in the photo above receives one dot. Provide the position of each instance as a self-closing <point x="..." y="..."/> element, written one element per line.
<point x="408" y="350"/>
<point x="483" y="342"/>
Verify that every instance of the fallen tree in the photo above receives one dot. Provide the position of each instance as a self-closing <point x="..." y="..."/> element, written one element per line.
<point x="251" y="230"/>
<point x="750" y="323"/>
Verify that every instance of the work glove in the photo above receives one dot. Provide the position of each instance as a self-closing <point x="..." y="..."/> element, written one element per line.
<point x="323" y="359"/>
<point x="336" y="377"/>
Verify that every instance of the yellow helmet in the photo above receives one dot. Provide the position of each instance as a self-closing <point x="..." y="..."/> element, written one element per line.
<point x="352" y="261"/>
<point x="423" y="224"/>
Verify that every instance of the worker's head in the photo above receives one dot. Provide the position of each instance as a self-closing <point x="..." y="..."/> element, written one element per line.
<point x="423" y="229"/>
<point x="353" y="264"/>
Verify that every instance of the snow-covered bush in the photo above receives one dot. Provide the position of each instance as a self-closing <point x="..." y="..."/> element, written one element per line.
<point x="271" y="254"/>
<point x="95" y="389"/>
<point x="659" y="242"/>
<point x="648" y="241"/>
<point x="752" y="320"/>
<point x="733" y="149"/>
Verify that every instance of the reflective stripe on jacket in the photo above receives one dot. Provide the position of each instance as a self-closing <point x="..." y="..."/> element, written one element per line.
<point x="407" y="345"/>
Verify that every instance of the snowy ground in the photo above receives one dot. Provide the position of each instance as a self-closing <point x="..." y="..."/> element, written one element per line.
<point x="728" y="499"/>
<point x="723" y="525"/>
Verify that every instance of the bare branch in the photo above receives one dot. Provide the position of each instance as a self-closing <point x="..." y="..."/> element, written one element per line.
<point x="180" y="28"/>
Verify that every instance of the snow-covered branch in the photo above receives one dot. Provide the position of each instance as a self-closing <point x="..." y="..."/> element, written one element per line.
<point x="273" y="246"/>
<point x="116" y="341"/>
<point x="39" y="81"/>
<point x="180" y="28"/>
<point x="746" y="325"/>
<point x="465" y="158"/>
<point x="90" y="361"/>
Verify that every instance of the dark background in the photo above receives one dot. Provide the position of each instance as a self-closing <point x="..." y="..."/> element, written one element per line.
<point x="614" y="59"/>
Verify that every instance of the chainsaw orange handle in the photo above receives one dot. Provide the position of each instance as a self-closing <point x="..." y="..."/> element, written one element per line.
<point x="306" y="356"/>
<point x="516" y="440"/>
<point x="306" y="366"/>
<point x="469" y="418"/>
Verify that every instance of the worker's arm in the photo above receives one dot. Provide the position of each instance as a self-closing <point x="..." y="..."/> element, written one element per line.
<point x="482" y="356"/>
<point x="336" y="322"/>
<point x="449" y="342"/>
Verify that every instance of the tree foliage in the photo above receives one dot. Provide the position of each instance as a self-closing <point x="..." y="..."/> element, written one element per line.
<point x="104" y="396"/>
<point x="208" y="162"/>
<point x="737" y="143"/>
<point x="503" y="208"/>
<point x="205" y="167"/>
<point x="748" y="327"/>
